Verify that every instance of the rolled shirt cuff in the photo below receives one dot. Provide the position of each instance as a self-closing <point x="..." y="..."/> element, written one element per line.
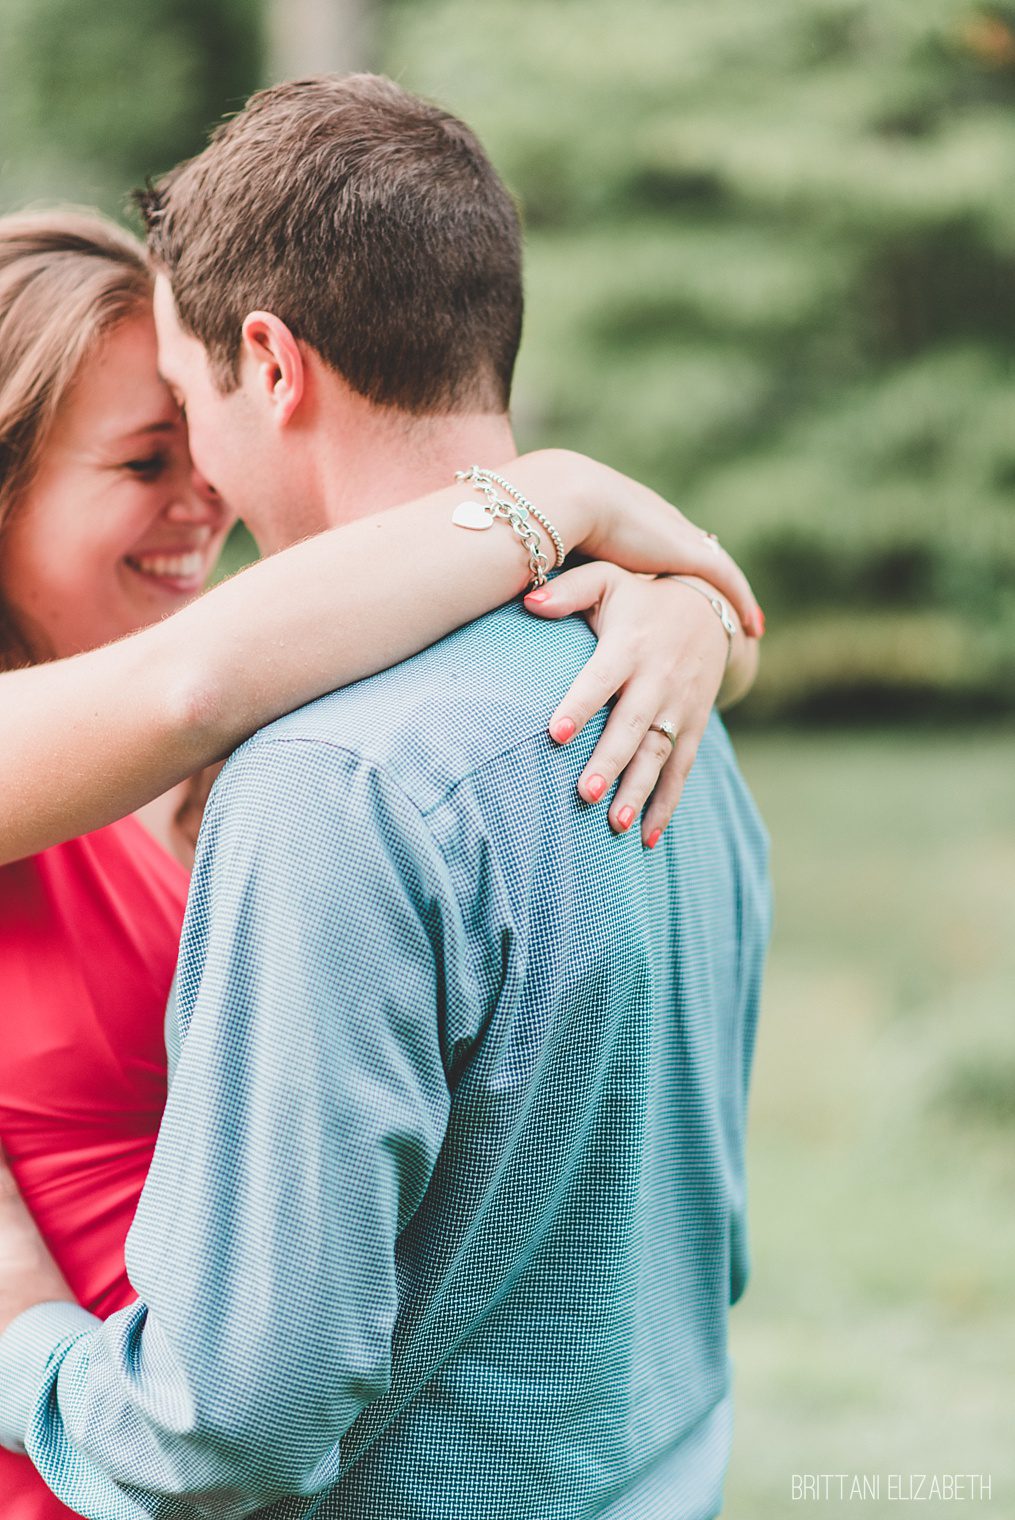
<point x="27" y="1348"/>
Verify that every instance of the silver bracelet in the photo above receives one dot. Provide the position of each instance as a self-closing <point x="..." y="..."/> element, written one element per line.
<point x="517" y="512"/>
<point x="719" y="606"/>
<point x="483" y="478"/>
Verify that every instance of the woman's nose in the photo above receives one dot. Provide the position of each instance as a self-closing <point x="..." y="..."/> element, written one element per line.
<point x="197" y="502"/>
<point x="204" y="488"/>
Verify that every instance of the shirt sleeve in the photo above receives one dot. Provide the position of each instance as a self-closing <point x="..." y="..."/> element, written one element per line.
<point x="305" y="1117"/>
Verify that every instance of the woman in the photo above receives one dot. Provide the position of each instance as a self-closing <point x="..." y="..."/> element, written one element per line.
<point x="104" y="529"/>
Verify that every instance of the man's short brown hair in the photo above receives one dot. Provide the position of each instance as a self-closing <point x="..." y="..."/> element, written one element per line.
<point x="370" y="221"/>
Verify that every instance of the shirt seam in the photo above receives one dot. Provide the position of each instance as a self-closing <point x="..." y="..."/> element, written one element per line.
<point x="424" y="814"/>
<point x="374" y="762"/>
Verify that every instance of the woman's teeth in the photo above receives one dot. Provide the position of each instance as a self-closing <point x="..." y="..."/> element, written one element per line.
<point x="169" y="567"/>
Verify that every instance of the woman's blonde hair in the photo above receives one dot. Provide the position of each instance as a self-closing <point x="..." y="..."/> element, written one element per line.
<point x="67" y="278"/>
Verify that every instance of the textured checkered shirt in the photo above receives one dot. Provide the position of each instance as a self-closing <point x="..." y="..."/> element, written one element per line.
<point x="447" y="1208"/>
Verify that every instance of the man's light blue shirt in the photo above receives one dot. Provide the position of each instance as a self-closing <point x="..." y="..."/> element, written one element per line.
<point x="447" y="1208"/>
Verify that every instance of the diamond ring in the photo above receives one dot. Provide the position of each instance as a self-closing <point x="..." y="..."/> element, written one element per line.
<point x="666" y="728"/>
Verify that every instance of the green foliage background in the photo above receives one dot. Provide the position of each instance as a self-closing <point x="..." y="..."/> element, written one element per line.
<point x="95" y="96"/>
<point x="771" y="271"/>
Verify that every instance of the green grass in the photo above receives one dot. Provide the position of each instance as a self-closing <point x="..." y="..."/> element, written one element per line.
<point x="878" y="1331"/>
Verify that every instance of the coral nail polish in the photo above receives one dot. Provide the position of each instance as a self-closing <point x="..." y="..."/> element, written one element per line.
<point x="562" y="730"/>
<point x="653" y="839"/>
<point x="595" y="787"/>
<point x="625" y="818"/>
<point x="538" y="596"/>
<point x="759" y="621"/>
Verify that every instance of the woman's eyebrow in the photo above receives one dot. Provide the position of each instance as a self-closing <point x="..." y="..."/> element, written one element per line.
<point x="130" y="436"/>
<point x="168" y="425"/>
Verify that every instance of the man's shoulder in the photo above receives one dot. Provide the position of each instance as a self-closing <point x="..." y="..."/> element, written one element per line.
<point x="436" y="718"/>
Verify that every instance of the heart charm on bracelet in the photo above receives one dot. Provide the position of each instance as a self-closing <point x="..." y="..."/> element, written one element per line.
<point x="471" y="514"/>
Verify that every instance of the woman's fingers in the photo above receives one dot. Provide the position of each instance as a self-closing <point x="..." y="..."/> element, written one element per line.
<point x="669" y="789"/>
<point x="600" y="679"/>
<point x="574" y="591"/>
<point x="650" y="652"/>
<point x="627" y="737"/>
<point x="639" y="780"/>
<point x="610" y="665"/>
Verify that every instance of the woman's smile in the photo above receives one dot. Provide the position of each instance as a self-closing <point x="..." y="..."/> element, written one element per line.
<point x="181" y="568"/>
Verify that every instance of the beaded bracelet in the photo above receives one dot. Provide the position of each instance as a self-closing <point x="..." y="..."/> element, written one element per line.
<point x="516" y="511"/>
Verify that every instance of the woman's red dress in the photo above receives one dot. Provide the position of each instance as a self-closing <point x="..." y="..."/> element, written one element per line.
<point x="88" y="939"/>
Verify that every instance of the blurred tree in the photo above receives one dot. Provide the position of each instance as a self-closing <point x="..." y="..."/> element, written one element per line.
<point x="318" y="36"/>
<point x="93" y="96"/>
<point x="772" y="270"/>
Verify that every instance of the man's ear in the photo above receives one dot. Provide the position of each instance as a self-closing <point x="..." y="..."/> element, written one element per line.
<point x="279" y="373"/>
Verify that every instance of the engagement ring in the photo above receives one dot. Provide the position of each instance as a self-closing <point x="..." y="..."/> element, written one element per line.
<point x="664" y="727"/>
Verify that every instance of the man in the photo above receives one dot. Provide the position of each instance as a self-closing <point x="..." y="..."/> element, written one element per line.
<point x="447" y="1207"/>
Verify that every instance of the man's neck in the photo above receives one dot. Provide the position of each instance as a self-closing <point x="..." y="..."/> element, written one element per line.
<point x="391" y="459"/>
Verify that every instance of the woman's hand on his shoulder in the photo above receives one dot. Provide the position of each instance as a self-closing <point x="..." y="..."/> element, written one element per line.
<point x="662" y="653"/>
